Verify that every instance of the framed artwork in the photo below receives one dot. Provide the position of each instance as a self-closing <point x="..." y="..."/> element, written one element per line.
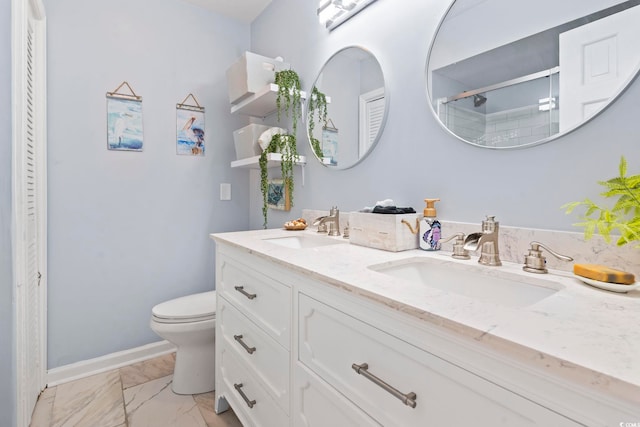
<point x="278" y="195"/>
<point x="190" y="128"/>
<point x="124" y="120"/>
<point x="330" y="145"/>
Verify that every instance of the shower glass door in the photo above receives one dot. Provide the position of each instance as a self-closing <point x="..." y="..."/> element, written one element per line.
<point x="507" y="114"/>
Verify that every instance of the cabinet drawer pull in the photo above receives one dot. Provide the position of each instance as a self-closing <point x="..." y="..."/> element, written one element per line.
<point x="245" y="293"/>
<point x="238" y="338"/>
<point x="408" y="399"/>
<point x="250" y="403"/>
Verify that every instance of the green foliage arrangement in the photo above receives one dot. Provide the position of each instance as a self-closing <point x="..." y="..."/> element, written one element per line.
<point x="623" y="217"/>
<point x="286" y="145"/>
<point x="317" y="107"/>
<point x="288" y="101"/>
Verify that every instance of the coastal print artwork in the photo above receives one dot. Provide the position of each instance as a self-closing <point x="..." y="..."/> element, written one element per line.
<point x="278" y="195"/>
<point x="189" y="132"/>
<point x="124" y="124"/>
<point x="330" y="146"/>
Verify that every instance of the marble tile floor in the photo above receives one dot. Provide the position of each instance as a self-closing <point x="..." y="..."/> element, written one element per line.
<point x="138" y="395"/>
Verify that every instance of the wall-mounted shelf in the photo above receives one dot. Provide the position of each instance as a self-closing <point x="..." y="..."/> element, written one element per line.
<point x="273" y="160"/>
<point x="260" y="104"/>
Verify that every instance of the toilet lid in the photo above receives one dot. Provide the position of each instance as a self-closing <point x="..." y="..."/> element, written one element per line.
<point x="194" y="307"/>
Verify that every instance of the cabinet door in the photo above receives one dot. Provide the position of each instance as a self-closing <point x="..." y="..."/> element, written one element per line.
<point x="337" y="346"/>
<point x="268" y="360"/>
<point x="244" y="392"/>
<point x="265" y="301"/>
<point x="319" y="405"/>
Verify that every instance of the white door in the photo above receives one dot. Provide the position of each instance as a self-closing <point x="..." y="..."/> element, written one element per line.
<point x="596" y="62"/>
<point x="371" y="112"/>
<point x="29" y="192"/>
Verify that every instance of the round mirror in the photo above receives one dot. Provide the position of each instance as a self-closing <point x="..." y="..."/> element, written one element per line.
<point x="505" y="74"/>
<point x="346" y="108"/>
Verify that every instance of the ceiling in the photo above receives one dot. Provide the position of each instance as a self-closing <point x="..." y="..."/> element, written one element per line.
<point x="242" y="10"/>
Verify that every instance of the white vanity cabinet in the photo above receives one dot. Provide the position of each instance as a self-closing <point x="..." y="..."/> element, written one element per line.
<point x="326" y="356"/>
<point x="398" y="384"/>
<point x="253" y="321"/>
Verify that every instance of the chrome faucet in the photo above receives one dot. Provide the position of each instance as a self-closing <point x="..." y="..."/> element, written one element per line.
<point x="459" y="252"/>
<point x="487" y="241"/>
<point x="333" y="220"/>
<point x="534" y="262"/>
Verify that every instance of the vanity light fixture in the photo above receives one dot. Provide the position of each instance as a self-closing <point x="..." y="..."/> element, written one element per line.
<point x="332" y="13"/>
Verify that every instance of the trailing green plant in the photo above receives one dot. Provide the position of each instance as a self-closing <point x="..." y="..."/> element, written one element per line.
<point x="623" y="217"/>
<point x="317" y="107"/>
<point x="288" y="98"/>
<point x="288" y="101"/>
<point x="285" y="144"/>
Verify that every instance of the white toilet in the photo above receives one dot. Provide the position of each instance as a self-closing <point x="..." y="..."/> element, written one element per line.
<point x="189" y="322"/>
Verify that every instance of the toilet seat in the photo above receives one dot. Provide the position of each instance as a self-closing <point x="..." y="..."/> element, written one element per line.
<point x="187" y="309"/>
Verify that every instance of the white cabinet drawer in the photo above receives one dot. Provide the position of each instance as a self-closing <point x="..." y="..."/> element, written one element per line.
<point x="264" y="300"/>
<point x="268" y="360"/>
<point x="317" y="404"/>
<point x="246" y="395"/>
<point x="332" y="343"/>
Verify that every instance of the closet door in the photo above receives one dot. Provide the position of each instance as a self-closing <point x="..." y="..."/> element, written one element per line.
<point x="371" y="112"/>
<point x="29" y="151"/>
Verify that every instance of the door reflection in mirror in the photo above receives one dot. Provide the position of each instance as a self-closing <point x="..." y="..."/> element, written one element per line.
<point x="519" y="82"/>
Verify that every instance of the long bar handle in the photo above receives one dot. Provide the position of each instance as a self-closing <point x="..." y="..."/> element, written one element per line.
<point x="249" y="403"/>
<point x="245" y="293"/>
<point x="238" y="338"/>
<point x="408" y="399"/>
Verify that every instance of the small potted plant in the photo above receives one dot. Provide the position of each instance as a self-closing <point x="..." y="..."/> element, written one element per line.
<point x="623" y="217"/>
<point x="288" y="101"/>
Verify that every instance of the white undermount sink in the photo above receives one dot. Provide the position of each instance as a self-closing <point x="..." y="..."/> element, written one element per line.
<point x="478" y="282"/>
<point x="304" y="241"/>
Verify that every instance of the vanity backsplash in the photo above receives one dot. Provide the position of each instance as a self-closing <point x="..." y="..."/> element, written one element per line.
<point x="515" y="242"/>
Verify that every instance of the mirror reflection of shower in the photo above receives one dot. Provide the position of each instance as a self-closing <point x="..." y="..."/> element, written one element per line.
<point x="594" y="43"/>
<point x="506" y="114"/>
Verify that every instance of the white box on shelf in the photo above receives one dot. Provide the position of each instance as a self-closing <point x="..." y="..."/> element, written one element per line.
<point x="246" y="140"/>
<point x="250" y="73"/>
<point x="385" y="231"/>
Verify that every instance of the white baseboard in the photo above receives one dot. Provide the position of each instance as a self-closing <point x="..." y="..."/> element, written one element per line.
<point x="107" y="362"/>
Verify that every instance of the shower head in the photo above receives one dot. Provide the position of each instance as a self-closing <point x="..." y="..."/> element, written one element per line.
<point x="479" y="100"/>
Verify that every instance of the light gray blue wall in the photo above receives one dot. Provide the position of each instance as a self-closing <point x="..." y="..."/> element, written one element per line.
<point x="371" y="74"/>
<point x="128" y="230"/>
<point x="341" y="82"/>
<point x="415" y="157"/>
<point x="7" y="348"/>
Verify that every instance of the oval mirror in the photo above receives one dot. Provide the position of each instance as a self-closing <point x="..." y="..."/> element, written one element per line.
<point x="347" y="108"/>
<point x="505" y="74"/>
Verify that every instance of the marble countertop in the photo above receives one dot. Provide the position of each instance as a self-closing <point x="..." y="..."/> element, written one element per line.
<point x="583" y="334"/>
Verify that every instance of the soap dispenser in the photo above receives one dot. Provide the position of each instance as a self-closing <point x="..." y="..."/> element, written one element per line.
<point x="430" y="228"/>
